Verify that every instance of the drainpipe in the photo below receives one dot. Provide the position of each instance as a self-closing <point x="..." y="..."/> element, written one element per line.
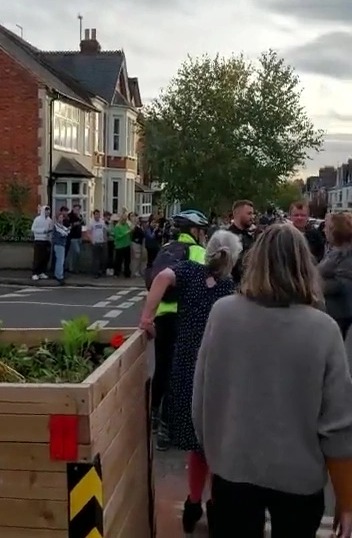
<point x="51" y="181"/>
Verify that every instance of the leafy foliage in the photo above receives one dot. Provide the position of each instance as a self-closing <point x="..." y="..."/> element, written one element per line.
<point x="70" y="360"/>
<point x="226" y="129"/>
<point x="18" y="194"/>
<point x="15" y="227"/>
<point x="287" y="193"/>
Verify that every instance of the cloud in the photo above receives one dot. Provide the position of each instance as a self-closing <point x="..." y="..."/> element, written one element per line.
<point x="328" y="55"/>
<point x="317" y="10"/>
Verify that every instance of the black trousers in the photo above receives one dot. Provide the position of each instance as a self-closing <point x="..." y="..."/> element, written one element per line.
<point x="151" y="255"/>
<point x="239" y="510"/>
<point x="99" y="258"/>
<point x="110" y="255"/>
<point x="165" y="327"/>
<point x="41" y="256"/>
<point x="123" y="259"/>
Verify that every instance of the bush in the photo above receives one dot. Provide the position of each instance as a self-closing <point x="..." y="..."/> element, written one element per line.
<point x="15" y="227"/>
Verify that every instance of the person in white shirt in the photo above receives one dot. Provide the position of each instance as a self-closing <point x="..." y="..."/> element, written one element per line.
<point x="42" y="228"/>
<point x="97" y="233"/>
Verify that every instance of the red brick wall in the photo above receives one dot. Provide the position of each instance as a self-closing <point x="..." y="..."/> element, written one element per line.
<point x="19" y="124"/>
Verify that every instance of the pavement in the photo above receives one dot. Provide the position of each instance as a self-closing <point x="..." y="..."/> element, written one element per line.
<point x="44" y="306"/>
<point x="23" y="278"/>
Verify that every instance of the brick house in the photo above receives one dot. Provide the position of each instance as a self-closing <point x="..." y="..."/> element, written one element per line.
<point x="68" y="125"/>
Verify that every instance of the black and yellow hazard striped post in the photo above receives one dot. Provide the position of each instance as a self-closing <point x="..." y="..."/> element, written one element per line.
<point x="85" y="496"/>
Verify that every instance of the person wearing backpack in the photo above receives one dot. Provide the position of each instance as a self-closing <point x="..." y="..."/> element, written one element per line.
<point x="192" y="226"/>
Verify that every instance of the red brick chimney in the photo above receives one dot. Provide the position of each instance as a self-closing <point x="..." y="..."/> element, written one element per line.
<point x="90" y="45"/>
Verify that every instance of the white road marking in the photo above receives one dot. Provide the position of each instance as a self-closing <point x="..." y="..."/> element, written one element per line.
<point x="101" y="304"/>
<point x="9" y="295"/>
<point x="143" y="293"/>
<point x="113" y="313"/>
<point x="33" y="289"/>
<point x="99" y="324"/>
<point x="114" y="297"/>
<point x="124" y="292"/>
<point x="127" y="304"/>
<point x="136" y="299"/>
<point x="68" y="305"/>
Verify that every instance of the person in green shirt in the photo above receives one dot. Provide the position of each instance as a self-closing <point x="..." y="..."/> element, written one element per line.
<point x="122" y="242"/>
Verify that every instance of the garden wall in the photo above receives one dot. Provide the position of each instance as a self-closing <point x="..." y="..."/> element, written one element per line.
<point x="78" y="456"/>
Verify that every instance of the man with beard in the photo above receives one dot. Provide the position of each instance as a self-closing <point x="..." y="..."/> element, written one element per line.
<point x="243" y="218"/>
<point x="299" y="216"/>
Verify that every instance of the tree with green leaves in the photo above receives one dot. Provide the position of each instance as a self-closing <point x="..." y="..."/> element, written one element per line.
<point x="287" y="193"/>
<point x="226" y="129"/>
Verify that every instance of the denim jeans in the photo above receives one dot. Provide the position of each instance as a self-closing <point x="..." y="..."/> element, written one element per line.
<point x="59" y="261"/>
<point x="74" y="255"/>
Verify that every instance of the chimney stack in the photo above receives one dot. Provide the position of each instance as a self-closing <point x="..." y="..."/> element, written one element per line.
<point x="90" y="45"/>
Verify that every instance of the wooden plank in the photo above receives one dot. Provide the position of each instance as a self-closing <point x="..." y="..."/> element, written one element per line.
<point x="44" y="399"/>
<point x="34" y="457"/>
<point x="34" y="485"/>
<point x="124" y="496"/>
<point x="109" y="373"/>
<point x="112" y="413"/>
<point x="35" y="428"/>
<point x="18" y="532"/>
<point x="116" y="458"/>
<point x="34" y="337"/>
<point x="137" y="521"/>
<point x="33" y="514"/>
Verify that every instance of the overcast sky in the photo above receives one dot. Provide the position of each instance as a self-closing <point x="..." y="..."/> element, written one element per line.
<point x="313" y="35"/>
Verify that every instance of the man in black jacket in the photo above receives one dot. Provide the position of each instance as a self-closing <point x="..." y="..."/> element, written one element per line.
<point x="299" y="216"/>
<point x="243" y="217"/>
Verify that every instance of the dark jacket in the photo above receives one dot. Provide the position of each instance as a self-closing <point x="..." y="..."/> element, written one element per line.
<point x="76" y="223"/>
<point x="247" y="240"/>
<point x="336" y="271"/>
<point x="316" y="242"/>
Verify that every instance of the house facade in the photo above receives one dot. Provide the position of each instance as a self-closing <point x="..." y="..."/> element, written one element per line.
<point x="340" y="196"/>
<point x="104" y="74"/>
<point x="69" y="126"/>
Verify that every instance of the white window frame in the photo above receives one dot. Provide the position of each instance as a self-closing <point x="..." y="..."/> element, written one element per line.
<point x="116" y="135"/>
<point x="70" y="199"/>
<point x="144" y="203"/>
<point x="66" y="120"/>
<point x="130" y="138"/>
<point x="98" y="132"/>
<point x="87" y="133"/>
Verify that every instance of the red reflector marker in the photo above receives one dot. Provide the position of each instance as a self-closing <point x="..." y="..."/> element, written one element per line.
<point x="64" y="437"/>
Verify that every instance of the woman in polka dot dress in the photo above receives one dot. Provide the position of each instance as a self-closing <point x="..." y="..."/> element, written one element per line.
<point x="198" y="287"/>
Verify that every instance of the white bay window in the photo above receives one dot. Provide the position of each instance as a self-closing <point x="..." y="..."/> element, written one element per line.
<point x="66" y="126"/>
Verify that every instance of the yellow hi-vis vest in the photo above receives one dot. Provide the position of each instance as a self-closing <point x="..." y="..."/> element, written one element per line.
<point x="196" y="254"/>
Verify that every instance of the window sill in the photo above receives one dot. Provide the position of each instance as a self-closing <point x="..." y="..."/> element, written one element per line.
<point x="66" y="150"/>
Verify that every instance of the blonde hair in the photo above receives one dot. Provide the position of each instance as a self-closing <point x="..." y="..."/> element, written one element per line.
<point x="222" y="252"/>
<point x="279" y="268"/>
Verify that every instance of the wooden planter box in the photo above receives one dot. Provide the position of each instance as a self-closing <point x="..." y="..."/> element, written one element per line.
<point x="54" y="487"/>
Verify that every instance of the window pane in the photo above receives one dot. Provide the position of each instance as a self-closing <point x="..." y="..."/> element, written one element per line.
<point x="115" y="189"/>
<point x="116" y="126"/>
<point x="59" y="203"/>
<point x="74" y="137"/>
<point x="84" y="188"/>
<point x="115" y="205"/>
<point x="61" y="187"/>
<point x="68" y="136"/>
<point x="75" y="188"/>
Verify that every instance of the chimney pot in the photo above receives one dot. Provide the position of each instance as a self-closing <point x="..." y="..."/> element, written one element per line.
<point x="86" y="34"/>
<point x="94" y="34"/>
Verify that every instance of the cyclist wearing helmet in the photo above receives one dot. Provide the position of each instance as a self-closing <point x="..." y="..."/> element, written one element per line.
<point x="192" y="226"/>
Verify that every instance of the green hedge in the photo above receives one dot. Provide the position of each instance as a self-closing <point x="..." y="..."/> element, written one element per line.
<point x="15" y="227"/>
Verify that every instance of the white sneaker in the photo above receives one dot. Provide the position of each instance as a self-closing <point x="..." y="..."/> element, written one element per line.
<point x="35" y="277"/>
<point x="137" y="275"/>
<point x="43" y="276"/>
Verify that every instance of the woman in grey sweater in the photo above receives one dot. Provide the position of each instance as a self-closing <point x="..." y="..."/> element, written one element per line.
<point x="272" y="401"/>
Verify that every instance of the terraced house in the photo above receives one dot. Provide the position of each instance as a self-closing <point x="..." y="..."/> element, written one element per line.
<point x="68" y="126"/>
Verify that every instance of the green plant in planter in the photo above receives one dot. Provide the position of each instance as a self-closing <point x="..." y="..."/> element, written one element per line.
<point x="71" y="359"/>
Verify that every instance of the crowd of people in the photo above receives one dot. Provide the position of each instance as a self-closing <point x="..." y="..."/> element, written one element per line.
<point x="122" y="244"/>
<point x="252" y="377"/>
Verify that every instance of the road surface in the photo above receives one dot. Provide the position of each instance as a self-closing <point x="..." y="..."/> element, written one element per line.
<point x="46" y="307"/>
